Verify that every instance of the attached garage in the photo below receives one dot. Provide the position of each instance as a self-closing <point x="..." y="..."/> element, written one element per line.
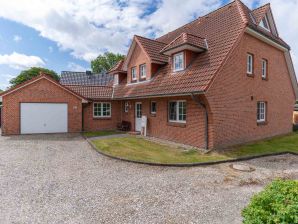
<point x="43" y="118"/>
<point x="41" y="106"/>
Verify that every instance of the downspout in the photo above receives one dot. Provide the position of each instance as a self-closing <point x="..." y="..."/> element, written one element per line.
<point x="202" y="105"/>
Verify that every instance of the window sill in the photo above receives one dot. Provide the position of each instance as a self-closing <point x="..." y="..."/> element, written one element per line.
<point x="134" y="81"/>
<point x="265" y="79"/>
<point x="153" y="114"/>
<point x="176" y="124"/>
<point x="102" y="118"/>
<point x="250" y="75"/>
<point x="142" y="79"/>
<point x="261" y="123"/>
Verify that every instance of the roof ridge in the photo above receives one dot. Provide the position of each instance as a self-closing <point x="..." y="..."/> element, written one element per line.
<point x="267" y="4"/>
<point x="149" y="39"/>
<point x="200" y="17"/>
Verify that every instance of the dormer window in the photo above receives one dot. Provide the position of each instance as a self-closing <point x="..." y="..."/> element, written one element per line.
<point x="143" y="71"/>
<point x="264" y="24"/>
<point x="178" y="62"/>
<point x="116" y="79"/>
<point x="133" y="73"/>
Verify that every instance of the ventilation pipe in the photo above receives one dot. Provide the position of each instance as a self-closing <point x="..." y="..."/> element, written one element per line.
<point x="202" y="105"/>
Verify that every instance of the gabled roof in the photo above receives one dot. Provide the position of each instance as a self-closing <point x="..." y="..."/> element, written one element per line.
<point x="83" y="78"/>
<point x="37" y="78"/>
<point x="222" y="29"/>
<point x="260" y="13"/>
<point x="196" y="42"/>
<point x="92" y="92"/>
<point x="151" y="49"/>
<point x="117" y="68"/>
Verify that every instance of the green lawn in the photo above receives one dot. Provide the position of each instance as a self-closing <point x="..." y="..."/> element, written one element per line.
<point x="139" y="149"/>
<point x="100" y="133"/>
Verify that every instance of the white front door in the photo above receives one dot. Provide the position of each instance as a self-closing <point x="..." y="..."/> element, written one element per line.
<point x="39" y="118"/>
<point x="138" y="111"/>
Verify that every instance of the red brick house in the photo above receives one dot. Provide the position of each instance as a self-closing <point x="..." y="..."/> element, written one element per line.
<point x="225" y="78"/>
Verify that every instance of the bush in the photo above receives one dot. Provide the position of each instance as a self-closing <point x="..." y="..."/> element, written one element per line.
<point x="277" y="203"/>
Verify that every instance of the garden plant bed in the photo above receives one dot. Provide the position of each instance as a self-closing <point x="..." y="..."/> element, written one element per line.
<point x="143" y="151"/>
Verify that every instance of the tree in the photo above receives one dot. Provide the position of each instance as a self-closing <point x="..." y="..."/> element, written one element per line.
<point x="105" y="62"/>
<point x="31" y="73"/>
<point x="1" y="90"/>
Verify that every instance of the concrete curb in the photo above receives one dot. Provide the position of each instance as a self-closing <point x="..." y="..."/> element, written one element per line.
<point x="190" y="164"/>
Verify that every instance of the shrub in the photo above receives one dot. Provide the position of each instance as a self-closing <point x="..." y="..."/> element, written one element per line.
<point x="277" y="203"/>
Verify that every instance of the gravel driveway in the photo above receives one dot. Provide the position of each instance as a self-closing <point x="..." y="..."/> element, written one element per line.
<point x="61" y="179"/>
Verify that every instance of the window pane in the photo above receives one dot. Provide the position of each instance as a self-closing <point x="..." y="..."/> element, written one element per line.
<point x="153" y="107"/>
<point x="182" y="111"/>
<point x="173" y="111"/>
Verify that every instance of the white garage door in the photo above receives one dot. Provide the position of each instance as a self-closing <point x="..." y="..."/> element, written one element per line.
<point x="43" y="118"/>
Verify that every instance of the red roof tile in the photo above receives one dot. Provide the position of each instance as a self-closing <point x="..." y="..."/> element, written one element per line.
<point x="117" y="68"/>
<point x="221" y="28"/>
<point x="184" y="39"/>
<point x="260" y="12"/>
<point x="153" y="48"/>
<point x="92" y="92"/>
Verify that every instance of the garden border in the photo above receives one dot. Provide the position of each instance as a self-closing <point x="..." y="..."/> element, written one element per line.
<point x="190" y="164"/>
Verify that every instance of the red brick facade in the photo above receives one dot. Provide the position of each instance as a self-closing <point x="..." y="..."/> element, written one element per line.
<point x="233" y="96"/>
<point x="190" y="133"/>
<point x="41" y="91"/>
<point x="94" y="124"/>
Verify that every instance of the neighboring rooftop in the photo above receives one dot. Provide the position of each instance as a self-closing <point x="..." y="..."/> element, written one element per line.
<point x="85" y="78"/>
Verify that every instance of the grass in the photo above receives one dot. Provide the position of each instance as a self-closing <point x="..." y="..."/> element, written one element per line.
<point x="138" y="149"/>
<point x="100" y="133"/>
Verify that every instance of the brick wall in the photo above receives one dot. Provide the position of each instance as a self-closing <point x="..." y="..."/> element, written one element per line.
<point x="42" y="91"/>
<point x="95" y="124"/>
<point x="191" y="133"/>
<point x="138" y="58"/>
<point x="233" y="96"/>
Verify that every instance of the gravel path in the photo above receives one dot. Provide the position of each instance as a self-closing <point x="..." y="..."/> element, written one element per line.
<point x="61" y="179"/>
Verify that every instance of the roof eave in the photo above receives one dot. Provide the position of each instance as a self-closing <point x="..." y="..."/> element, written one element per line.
<point x="182" y="47"/>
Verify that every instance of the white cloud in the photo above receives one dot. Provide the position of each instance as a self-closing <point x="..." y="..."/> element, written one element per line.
<point x="75" y="67"/>
<point x="17" y="38"/>
<point x="20" y="61"/>
<point x="88" y="27"/>
<point x="4" y="80"/>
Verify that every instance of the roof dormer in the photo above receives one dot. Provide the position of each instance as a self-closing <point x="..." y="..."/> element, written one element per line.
<point x="185" y="41"/>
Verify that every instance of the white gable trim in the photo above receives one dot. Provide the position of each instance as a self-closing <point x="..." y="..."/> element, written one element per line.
<point x="40" y="78"/>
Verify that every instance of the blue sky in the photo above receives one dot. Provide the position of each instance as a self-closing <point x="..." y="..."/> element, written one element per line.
<point x="66" y="35"/>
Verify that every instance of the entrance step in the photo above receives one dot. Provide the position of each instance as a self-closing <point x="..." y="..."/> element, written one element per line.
<point x="134" y="132"/>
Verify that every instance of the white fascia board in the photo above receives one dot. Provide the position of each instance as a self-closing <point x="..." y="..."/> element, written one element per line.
<point x="265" y="39"/>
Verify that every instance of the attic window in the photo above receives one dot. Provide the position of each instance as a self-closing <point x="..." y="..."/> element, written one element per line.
<point x="264" y="24"/>
<point x="178" y="62"/>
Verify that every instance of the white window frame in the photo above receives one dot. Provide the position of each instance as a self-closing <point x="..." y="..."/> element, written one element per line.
<point x="153" y="112"/>
<point x="174" y="62"/>
<point x="264" y="68"/>
<point x="250" y="64"/>
<point x="177" y="111"/>
<point x="261" y="111"/>
<point x="116" y="79"/>
<point x="263" y="25"/>
<point x="143" y="71"/>
<point x="101" y="111"/>
<point x="134" y="73"/>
